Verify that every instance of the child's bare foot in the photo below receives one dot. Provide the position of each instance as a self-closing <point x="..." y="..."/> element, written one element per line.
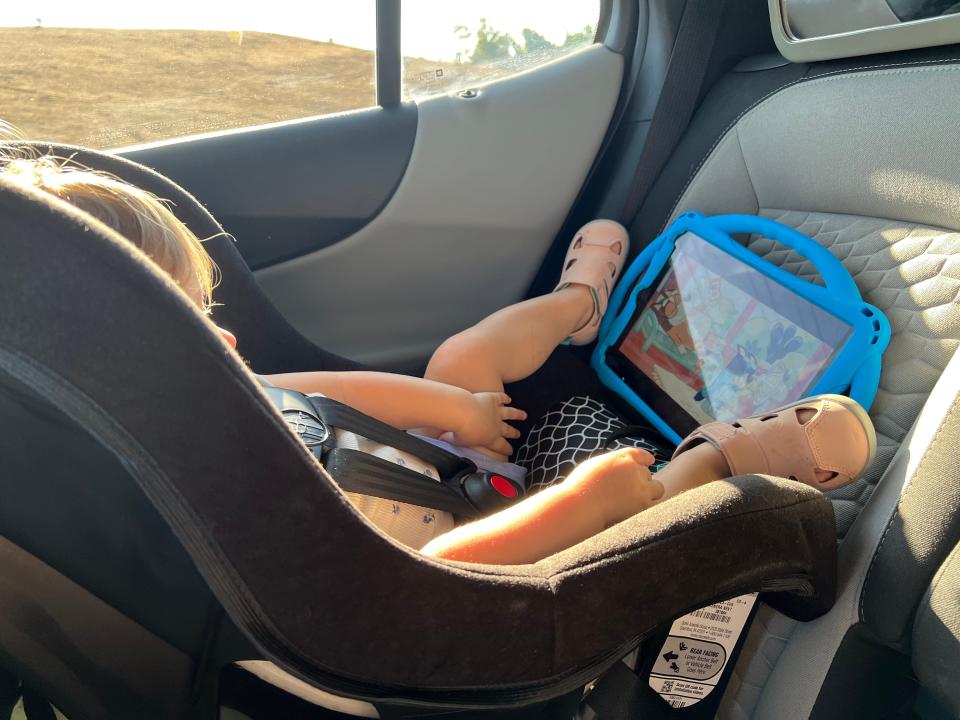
<point x="825" y="441"/>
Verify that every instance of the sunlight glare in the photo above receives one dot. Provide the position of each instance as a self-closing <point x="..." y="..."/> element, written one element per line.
<point x="428" y="25"/>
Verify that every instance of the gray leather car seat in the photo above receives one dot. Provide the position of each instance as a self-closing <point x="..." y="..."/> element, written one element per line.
<point x="867" y="162"/>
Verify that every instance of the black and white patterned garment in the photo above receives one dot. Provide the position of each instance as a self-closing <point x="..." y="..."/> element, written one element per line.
<point x="574" y="431"/>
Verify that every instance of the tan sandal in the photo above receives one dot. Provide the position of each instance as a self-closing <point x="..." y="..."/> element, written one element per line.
<point x="832" y="448"/>
<point x="595" y="259"/>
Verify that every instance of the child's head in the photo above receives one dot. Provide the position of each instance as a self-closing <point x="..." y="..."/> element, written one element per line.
<point x="139" y="216"/>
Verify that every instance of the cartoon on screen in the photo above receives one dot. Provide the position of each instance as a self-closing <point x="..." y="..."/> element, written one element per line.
<point x="673" y="321"/>
<point x="716" y="349"/>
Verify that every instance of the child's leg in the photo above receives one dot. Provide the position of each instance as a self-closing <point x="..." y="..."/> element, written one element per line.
<point x="824" y="441"/>
<point x="513" y="342"/>
<point x="598" y="494"/>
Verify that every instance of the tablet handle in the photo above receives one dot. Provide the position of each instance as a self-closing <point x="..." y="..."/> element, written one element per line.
<point x="834" y="275"/>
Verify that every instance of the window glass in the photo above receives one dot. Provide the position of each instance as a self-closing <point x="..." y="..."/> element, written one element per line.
<point x="108" y="73"/>
<point x="448" y="46"/>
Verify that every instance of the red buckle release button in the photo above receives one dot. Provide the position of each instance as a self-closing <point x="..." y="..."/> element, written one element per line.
<point x="503" y="486"/>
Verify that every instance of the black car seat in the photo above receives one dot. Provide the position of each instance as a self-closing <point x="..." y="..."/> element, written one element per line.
<point x="152" y="487"/>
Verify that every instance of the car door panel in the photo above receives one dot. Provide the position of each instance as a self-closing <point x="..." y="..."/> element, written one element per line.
<point x="489" y="182"/>
<point x="296" y="187"/>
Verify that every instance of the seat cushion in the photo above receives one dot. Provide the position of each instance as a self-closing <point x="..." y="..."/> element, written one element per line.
<point x="836" y="158"/>
<point x="912" y="273"/>
<point x="866" y="162"/>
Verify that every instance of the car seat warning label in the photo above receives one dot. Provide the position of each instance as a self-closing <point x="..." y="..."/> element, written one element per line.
<point x="694" y="655"/>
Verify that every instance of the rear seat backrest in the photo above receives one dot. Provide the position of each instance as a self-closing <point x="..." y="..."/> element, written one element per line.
<point x="840" y="158"/>
<point x="867" y="163"/>
<point x="912" y="273"/>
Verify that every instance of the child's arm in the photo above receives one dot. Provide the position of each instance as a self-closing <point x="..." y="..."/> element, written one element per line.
<point x="409" y="402"/>
<point x="599" y="493"/>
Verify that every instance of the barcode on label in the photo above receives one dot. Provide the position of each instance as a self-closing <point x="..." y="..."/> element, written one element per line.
<point x="674" y="702"/>
<point x="711" y="616"/>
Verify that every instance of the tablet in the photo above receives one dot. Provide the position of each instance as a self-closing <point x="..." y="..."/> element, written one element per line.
<point x="718" y="340"/>
<point x="701" y="329"/>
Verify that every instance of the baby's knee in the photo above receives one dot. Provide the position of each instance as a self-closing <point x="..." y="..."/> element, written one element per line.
<point x="453" y="355"/>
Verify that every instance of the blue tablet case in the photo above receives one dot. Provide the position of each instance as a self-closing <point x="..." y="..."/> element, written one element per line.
<point x="855" y="369"/>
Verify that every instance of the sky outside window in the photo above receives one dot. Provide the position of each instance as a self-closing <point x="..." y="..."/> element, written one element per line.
<point x="427" y="24"/>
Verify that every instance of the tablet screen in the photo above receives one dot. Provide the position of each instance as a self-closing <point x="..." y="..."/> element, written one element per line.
<point x="719" y="340"/>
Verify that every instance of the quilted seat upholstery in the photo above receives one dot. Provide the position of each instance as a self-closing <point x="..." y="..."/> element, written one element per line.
<point x="867" y="163"/>
<point x="912" y="273"/>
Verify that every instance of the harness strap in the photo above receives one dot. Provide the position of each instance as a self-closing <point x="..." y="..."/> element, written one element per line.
<point x="336" y="414"/>
<point x="360" y="472"/>
<point x="462" y="489"/>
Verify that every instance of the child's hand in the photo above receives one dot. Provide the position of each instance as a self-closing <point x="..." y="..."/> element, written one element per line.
<point x="620" y="480"/>
<point x="484" y="425"/>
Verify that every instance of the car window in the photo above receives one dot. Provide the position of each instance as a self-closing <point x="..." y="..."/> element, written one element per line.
<point x="451" y="46"/>
<point x="104" y="73"/>
<point x="108" y="74"/>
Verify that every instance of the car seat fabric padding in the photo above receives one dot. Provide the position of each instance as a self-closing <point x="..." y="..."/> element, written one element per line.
<point x="89" y="323"/>
<point x="132" y="561"/>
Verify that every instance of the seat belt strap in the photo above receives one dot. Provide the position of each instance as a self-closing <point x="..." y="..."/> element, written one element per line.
<point x="681" y="89"/>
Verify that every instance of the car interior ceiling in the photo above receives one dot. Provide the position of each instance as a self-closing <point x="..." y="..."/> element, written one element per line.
<point x="125" y="594"/>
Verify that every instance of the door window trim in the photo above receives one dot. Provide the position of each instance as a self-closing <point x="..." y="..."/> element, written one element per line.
<point x="387" y="53"/>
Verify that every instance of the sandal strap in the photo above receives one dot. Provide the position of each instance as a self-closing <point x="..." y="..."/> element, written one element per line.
<point x="584" y="271"/>
<point x="778" y="444"/>
<point x="596" y="265"/>
<point x="740" y="449"/>
<point x="830" y="445"/>
<point x="793" y="460"/>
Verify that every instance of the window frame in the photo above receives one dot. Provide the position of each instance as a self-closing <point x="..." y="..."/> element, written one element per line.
<point x="387" y="55"/>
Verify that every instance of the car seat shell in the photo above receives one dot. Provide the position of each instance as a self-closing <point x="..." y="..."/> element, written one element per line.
<point x="124" y="353"/>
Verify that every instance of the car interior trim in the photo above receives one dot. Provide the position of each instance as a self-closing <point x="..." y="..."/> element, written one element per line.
<point x="447" y="213"/>
<point x="296" y="210"/>
<point x="389" y="61"/>
<point x="944" y="30"/>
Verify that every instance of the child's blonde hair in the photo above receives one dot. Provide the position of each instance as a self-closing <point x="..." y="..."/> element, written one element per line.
<point x="139" y="216"/>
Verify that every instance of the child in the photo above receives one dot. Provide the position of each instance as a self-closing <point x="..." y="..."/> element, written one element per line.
<point x="461" y="396"/>
<point x="824" y="441"/>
